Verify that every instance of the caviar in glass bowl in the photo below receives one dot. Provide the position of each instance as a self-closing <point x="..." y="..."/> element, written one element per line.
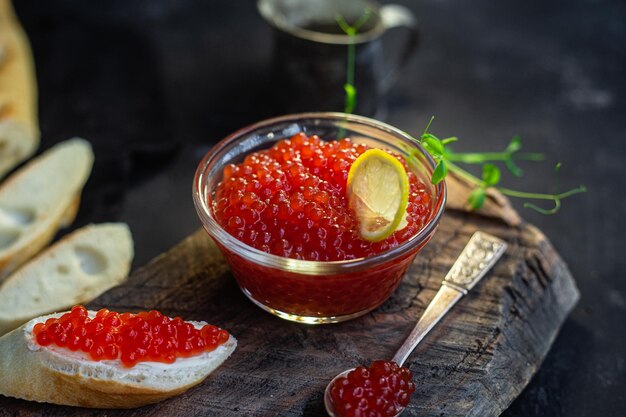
<point x="273" y="197"/>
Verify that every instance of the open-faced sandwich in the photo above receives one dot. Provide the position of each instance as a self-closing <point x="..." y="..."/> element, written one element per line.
<point x="109" y="360"/>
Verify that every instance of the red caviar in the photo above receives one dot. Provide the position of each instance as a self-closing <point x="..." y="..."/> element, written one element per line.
<point x="382" y="390"/>
<point x="290" y="200"/>
<point x="131" y="338"/>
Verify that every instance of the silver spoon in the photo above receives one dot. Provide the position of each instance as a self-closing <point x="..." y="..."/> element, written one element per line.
<point x="479" y="255"/>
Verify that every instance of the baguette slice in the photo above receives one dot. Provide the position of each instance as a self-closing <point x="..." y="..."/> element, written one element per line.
<point x="19" y="129"/>
<point x="39" y="199"/>
<point x="73" y="271"/>
<point x="16" y="144"/>
<point x="60" y="376"/>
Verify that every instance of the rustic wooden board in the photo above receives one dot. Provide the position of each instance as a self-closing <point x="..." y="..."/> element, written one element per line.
<point x="474" y="363"/>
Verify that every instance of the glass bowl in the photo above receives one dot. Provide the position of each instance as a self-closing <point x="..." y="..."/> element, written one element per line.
<point x="314" y="291"/>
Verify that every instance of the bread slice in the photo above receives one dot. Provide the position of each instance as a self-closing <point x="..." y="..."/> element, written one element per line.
<point x="60" y="376"/>
<point x="39" y="199"/>
<point x="19" y="128"/>
<point x="73" y="271"/>
<point x="16" y="144"/>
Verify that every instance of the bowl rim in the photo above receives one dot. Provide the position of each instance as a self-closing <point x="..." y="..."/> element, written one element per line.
<point x="308" y="267"/>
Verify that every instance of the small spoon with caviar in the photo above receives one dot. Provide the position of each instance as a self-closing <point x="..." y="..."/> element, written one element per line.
<point x="384" y="389"/>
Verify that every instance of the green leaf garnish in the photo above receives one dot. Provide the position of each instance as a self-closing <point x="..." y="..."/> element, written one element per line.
<point x="350" y="98"/>
<point x="432" y="144"/>
<point x="439" y="173"/>
<point x="477" y="198"/>
<point x="491" y="174"/>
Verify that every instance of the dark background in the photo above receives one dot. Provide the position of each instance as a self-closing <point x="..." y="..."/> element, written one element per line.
<point x="154" y="83"/>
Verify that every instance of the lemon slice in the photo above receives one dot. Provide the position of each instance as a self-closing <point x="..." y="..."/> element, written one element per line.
<point x="378" y="192"/>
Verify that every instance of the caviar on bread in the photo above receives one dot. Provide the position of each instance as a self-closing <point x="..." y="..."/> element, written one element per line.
<point x="106" y="359"/>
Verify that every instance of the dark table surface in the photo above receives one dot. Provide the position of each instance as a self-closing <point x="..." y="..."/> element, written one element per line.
<point x="154" y="83"/>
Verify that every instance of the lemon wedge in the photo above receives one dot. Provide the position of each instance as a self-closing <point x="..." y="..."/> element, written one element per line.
<point x="378" y="193"/>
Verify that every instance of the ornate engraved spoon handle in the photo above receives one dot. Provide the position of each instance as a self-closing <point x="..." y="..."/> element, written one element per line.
<point x="479" y="255"/>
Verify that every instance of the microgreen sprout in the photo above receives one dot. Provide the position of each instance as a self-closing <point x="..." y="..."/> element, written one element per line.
<point x="508" y="156"/>
<point x="446" y="160"/>
<point x="351" y="31"/>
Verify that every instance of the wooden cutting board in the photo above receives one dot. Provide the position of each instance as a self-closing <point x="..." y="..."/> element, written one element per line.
<point x="474" y="363"/>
